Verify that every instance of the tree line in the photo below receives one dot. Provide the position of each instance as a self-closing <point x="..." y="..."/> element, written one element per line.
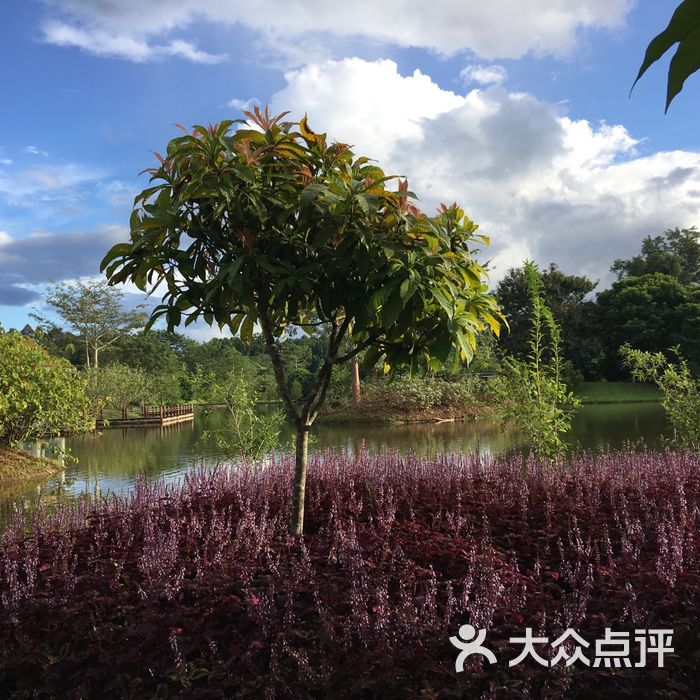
<point x="653" y="305"/>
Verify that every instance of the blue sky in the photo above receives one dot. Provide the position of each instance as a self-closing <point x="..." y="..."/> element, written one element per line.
<point x="518" y="110"/>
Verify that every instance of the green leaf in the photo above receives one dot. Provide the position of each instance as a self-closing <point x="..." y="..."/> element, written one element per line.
<point x="685" y="62"/>
<point x="442" y="346"/>
<point x="313" y="192"/>
<point x="407" y="289"/>
<point x="391" y="310"/>
<point x="235" y="323"/>
<point x="372" y="356"/>
<point x="444" y="302"/>
<point x="247" y="329"/>
<point x="683" y="24"/>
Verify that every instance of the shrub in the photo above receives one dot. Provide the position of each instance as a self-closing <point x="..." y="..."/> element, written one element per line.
<point x="416" y="394"/>
<point x="247" y="434"/>
<point x="116" y="387"/>
<point x="681" y="391"/>
<point x="462" y="391"/>
<point x="39" y="394"/>
<point x="196" y="590"/>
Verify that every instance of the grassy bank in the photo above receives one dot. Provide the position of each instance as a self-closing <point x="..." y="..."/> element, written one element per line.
<point x="17" y="465"/>
<point x="198" y="591"/>
<point x="616" y="392"/>
<point x="374" y="412"/>
<point x="420" y="401"/>
<point x="412" y="400"/>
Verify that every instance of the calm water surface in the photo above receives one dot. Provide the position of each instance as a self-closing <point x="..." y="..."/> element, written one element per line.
<point x="113" y="460"/>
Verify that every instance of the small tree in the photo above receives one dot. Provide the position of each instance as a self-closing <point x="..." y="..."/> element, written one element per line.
<point x="39" y="394"/>
<point x="93" y="311"/>
<point x="681" y="391"/>
<point x="267" y="225"/>
<point x="116" y="387"/>
<point x="247" y="434"/>
<point x="531" y="391"/>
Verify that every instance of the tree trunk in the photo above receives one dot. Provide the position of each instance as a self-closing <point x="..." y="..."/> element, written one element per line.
<point x="94" y="363"/>
<point x="356" y="395"/>
<point x="87" y="354"/>
<point x="302" y="462"/>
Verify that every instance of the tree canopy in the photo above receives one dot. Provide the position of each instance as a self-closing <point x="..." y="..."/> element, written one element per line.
<point x="265" y="224"/>
<point x="675" y="253"/>
<point x="652" y="313"/>
<point x="94" y="312"/>
<point x="117" y="387"/>
<point x="566" y="297"/>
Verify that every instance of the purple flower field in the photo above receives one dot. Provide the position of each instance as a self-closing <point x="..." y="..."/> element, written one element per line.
<point x="197" y="590"/>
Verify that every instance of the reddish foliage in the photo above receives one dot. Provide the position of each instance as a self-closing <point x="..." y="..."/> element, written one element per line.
<point x="197" y="591"/>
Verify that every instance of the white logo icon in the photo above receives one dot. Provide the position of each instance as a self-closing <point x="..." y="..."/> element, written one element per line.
<point x="470" y="642"/>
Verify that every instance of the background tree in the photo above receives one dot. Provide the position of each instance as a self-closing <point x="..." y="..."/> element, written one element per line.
<point x="94" y="312"/>
<point x="675" y="253"/>
<point x="684" y="30"/>
<point x="215" y="362"/>
<point x="117" y="387"/>
<point x="59" y="343"/>
<point x="652" y="313"/>
<point x="565" y="295"/>
<point x="296" y="355"/>
<point x="39" y="394"/>
<point x="159" y="355"/>
<point x="269" y="226"/>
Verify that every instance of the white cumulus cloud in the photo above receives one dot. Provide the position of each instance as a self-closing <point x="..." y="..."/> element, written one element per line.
<point x="543" y="185"/>
<point x="365" y="103"/>
<point x="103" y="42"/>
<point x="484" y="75"/>
<point x="500" y="28"/>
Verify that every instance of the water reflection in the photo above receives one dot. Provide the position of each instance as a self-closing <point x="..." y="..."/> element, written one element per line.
<point x="110" y="462"/>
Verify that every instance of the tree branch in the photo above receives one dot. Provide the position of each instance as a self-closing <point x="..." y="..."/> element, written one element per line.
<point x="317" y="395"/>
<point x="278" y="369"/>
<point x="356" y="351"/>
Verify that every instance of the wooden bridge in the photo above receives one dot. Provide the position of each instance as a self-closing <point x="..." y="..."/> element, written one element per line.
<point x="155" y="416"/>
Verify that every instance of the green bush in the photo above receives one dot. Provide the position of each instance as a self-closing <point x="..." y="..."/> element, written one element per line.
<point x="39" y="394"/>
<point x="465" y="391"/>
<point x="413" y="394"/>
<point x="247" y="434"/>
<point x="681" y="391"/>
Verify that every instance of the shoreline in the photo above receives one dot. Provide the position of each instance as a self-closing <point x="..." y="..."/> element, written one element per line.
<point x="17" y="466"/>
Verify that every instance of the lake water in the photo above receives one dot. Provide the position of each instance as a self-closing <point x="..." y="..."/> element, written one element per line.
<point x="113" y="460"/>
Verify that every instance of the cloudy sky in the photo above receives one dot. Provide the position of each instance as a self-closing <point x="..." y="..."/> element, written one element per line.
<point x="518" y="110"/>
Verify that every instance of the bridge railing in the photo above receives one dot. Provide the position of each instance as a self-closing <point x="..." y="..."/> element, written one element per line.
<point x="180" y="409"/>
